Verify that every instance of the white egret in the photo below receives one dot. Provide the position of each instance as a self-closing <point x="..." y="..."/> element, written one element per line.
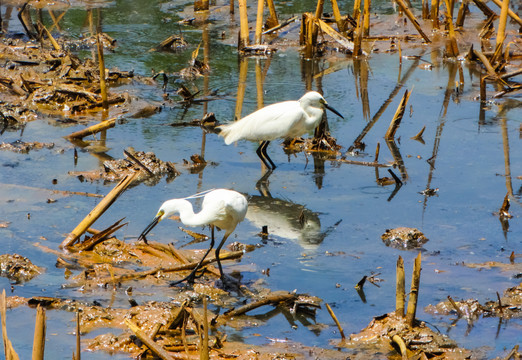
<point x="221" y="208"/>
<point x="287" y="119"/>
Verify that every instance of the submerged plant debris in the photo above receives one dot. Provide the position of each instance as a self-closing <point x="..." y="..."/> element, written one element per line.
<point x="48" y="73"/>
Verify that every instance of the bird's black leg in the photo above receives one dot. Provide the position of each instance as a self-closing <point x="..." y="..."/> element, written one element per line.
<point x="190" y="278"/>
<point x="217" y="256"/>
<point x="263" y="151"/>
<point x="259" y="153"/>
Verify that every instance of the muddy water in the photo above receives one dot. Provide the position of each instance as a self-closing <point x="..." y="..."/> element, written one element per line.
<point x="346" y="210"/>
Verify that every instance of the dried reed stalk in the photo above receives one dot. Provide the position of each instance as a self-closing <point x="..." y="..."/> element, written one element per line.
<point x="9" y="351"/>
<point x="243" y="21"/>
<point x="402" y="346"/>
<point x="463" y="9"/>
<point x="145" y="339"/>
<point x="344" y="42"/>
<point x="413" y="20"/>
<point x="512" y="14"/>
<point x="101" y="67"/>
<point x="91" y="130"/>
<point x="434" y="15"/>
<point x="357" y="37"/>
<point x="203" y="351"/>
<point x="272" y="19"/>
<point x="107" y="201"/>
<point x="39" y="334"/>
<point x="451" y="47"/>
<point x="400" y="288"/>
<point x="273" y="298"/>
<point x="501" y="33"/>
<point x="78" y="334"/>
<point x="330" y="311"/>
<point x="366" y="17"/>
<point x="280" y="26"/>
<point x="56" y="46"/>
<point x="259" y="21"/>
<point x="414" y="291"/>
<point x="396" y="121"/>
<point x="356" y="9"/>
<point x="337" y="16"/>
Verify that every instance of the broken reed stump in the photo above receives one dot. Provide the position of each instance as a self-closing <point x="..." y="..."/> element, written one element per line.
<point x="101" y="67"/>
<point x="414" y="291"/>
<point x="400" y="288"/>
<point x="107" y="201"/>
<point x="91" y="130"/>
<point x="9" y="350"/>
<point x="501" y="33"/>
<point x="452" y="48"/>
<point x="330" y="311"/>
<point x="39" y="334"/>
<point x="259" y="22"/>
<point x="396" y="121"/>
<point x="145" y="339"/>
<point x="243" y="21"/>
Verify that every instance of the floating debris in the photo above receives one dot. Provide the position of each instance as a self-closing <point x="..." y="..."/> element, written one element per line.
<point x="404" y="238"/>
<point x="18" y="268"/>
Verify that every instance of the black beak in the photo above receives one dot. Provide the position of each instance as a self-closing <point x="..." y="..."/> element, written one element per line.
<point x="149" y="228"/>
<point x="333" y="110"/>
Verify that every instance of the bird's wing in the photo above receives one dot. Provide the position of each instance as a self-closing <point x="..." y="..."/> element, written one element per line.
<point x="268" y="123"/>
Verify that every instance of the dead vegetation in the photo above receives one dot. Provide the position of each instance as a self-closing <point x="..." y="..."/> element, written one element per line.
<point x="42" y="76"/>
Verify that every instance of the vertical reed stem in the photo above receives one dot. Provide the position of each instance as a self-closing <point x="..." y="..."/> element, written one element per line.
<point x="414" y="291"/>
<point x="101" y="67"/>
<point x="243" y="20"/>
<point x="366" y="17"/>
<point x="259" y="21"/>
<point x="39" y="334"/>
<point x="400" y="288"/>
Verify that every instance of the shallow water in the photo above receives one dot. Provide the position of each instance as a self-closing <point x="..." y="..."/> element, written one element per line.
<point x="469" y="171"/>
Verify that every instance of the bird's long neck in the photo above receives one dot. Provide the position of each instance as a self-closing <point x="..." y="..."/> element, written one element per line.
<point x="187" y="215"/>
<point x="315" y="115"/>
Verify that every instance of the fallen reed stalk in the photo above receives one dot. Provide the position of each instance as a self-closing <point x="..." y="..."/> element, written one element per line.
<point x="414" y="291"/>
<point x="39" y="334"/>
<point x="91" y="130"/>
<point x="273" y="298"/>
<point x="330" y="311"/>
<point x="402" y="346"/>
<point x="400" y="288"/>
<point x="99" y="209"/>
<point x="511" y="13"/>
<point x="413" y="20"/>
<point x="145" y="339"/>
<point x="397" y="118"/>
<point x="280" y="26"/>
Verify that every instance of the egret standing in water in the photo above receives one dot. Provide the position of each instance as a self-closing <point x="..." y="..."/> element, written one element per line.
<point x="221" y="208"/>
<point x="287" y="119"/>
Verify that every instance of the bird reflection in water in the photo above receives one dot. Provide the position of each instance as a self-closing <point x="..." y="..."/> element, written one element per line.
<point x="286" y="219"/>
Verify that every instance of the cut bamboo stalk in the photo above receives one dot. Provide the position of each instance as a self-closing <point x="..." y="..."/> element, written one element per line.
<point x="9" y="351"/>
<point x="413" y="20"/>
<point x="107" y="201"/>
<point x="356" y="9"/>
<point x="101" y="67"/>
<point x="512" y="14"/>
<point x="279" y="26"/>
<point x="366" y="17"/>
<point x="272" y="19"/>
<point x="400" y="288"/>
<point x="452" y="48"/>
<point x="319" y="9"/>
<point x="78" y="343"/>
<point x="39" y="334"/>
<point x="501" y="33"/>
<point x="397" y="118"/>
<point x="414" y="291"/>
<point x="91" y="130"/>
<point x="435" y="14"/>
<point x="330" y="311"/>
<point x="155" y="348"/>
<point x="203" y="354"/>
<point x="259" y="21"/>
<point x="485" y="62"/>
<point x="344" y="42"/>
<point x="243" y="20"/>
<point x="56" y="46"/>
<point x="462" y="14"/>
<point x="337" y="16"/>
